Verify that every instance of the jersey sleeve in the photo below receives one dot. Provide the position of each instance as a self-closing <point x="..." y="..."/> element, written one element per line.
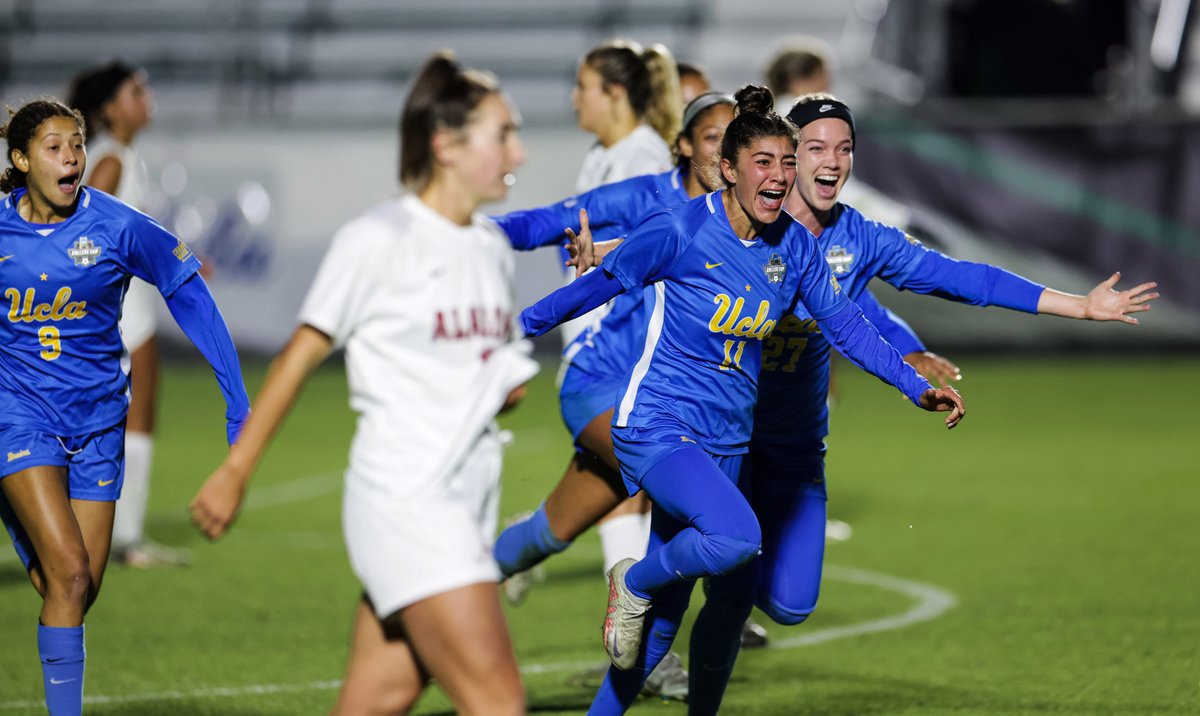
<point x="893" y="328"/>
<point x="972" y="283"/>
<point x="612" y="210"/>
<point x="350" y="273"/>
<point x="649" y="252"/>
<point x="858" y="340"/>
<point x="156" y="256"/>
<point x="196" y="312"/>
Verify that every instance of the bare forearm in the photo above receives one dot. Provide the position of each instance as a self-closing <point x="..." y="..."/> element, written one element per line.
<point x="306" y="349"/>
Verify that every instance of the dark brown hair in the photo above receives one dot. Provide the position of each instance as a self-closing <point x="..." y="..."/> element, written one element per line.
<point x="801" y="59"/>
<point x="754" y="117"/>
<point x="94" y="87"/>
<point x="23" y="126"/>
<point x="444" y="95"/>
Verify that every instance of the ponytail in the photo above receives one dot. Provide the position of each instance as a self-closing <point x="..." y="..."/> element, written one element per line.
<point x="664" y="108"/>
<point x="444" y="95"/>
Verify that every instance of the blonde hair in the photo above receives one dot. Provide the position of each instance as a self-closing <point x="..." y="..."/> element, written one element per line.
<point x="650" y="79"/>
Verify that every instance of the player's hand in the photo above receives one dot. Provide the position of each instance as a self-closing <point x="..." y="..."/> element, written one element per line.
<point x="933" y="367"/>
<point x="941" y="400"/>
<point x="515" y="396"/>
<point x="583" y="255"/>
<point x="216" y="505"/>
<point x="1103" y="303"/>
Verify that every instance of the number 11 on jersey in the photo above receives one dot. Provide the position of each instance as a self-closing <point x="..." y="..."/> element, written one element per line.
<point x="733" y="355"/>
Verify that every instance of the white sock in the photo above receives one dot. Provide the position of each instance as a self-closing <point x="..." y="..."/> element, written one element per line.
<point x="623" y="536"/>
<point x="130" y="522"/>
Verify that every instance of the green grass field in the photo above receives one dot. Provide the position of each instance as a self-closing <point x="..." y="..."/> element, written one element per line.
<point x="1051" y="545"/>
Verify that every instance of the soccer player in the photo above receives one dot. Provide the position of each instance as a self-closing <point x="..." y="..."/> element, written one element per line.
<point x="717" y="273"/>
<point x="785" y="474"/>
<point x="67" y="254"/>
<point x="629" y="98"/>
<point x="596" y="361"/>
<point x="419" y="292"/>
<point x="116" y="103"/>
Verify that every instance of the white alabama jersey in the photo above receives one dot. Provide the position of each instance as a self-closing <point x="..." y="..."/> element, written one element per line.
<point x="641" y="152"/>
<point x="134" y="185"/>
<point x="424" y="310"/>
<point x="138" y="319"/>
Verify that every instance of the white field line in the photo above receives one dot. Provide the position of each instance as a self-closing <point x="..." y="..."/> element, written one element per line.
<point x="932" y="602"/>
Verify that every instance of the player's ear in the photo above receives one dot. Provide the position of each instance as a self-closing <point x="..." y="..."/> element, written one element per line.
<point x="445" y="144"/>
<point x="727" y="172"/>
<point x="19" y="160"/>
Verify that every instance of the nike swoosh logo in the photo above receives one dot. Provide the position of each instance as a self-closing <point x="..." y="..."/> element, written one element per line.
<point x="106" y="483"/>
<point x="56" y="682"/>
<point x="6" y="258"/>
<point x="707" y="265"/>
<point x="825" y="108"/>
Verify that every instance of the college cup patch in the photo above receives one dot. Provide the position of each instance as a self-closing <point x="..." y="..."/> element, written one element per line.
<point x="774" y="269"/>
<point x="839" y="260"/>
<point x="84" y="252"/>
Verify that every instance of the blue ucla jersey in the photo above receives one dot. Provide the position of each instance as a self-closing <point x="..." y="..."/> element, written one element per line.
<point x="613" y="210"/>
<point x="607" y="348"/>
<point x="710" y="301"/>
<point x="795" y="371"/>
<point x="60" y="348"/>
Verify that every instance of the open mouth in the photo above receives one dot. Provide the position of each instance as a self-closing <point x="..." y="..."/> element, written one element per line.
<point x="69" y="183"/>
<point x="827" y="185"/>
<point x="772" y="199"/>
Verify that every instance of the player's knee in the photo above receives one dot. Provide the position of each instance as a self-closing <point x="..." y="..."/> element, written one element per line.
<point x="729" y="553"/>
<point x="70" y="579"/>
<point x="786" y="614"/>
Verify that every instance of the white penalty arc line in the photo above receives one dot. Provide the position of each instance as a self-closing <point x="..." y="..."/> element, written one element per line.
<point x="931" y="602"/>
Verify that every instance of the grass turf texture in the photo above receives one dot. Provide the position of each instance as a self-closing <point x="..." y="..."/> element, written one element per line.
<point x="1063" y="514"/>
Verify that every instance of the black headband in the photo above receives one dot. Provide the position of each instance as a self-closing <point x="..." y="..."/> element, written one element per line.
<point x="811" y="110"/>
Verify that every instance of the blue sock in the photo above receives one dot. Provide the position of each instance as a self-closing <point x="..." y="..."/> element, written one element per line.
<point x="716" y="639"/>
<point x="621" y="688"/>
<point x="526" y="543"/>
<point x="62" y="653"/>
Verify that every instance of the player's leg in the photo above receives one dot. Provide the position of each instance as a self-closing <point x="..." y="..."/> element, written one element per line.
<point x="624" y="529"/>
<point x="790" y="500"/>
<point x="382" y="673"/>
<point x="620" y="688"/>
<point x="130" y="524"/>
<point x="461" y="638"/>
<point x="721" y="532"/>
<point x="37" y="498"/>
<point x="588" y="490"/>
<point x="590" y="487"/>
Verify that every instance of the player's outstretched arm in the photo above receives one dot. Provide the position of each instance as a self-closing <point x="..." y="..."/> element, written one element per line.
<point x="1102" y="303"/>
<point x="941" y="400"/>
<point x="216" y="505"/>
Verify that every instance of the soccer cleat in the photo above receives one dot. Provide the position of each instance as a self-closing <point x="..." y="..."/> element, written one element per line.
<point x="623" y="623"/>
<point x="517" y="586"/>
<point x="754" y="636"/>
<point x="152" y="555"/>
<point x="837" y="531"/>
<point x="669" y="680"/>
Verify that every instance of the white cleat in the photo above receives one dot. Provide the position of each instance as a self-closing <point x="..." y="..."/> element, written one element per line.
<point x="625" y="619"/>
<point x="837" y="531"/>
<point x="669" y="680"/>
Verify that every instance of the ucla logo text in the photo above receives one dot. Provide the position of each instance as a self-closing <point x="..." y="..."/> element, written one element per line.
<point x="728" y="318"/>
<point x="61" y="309"/>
